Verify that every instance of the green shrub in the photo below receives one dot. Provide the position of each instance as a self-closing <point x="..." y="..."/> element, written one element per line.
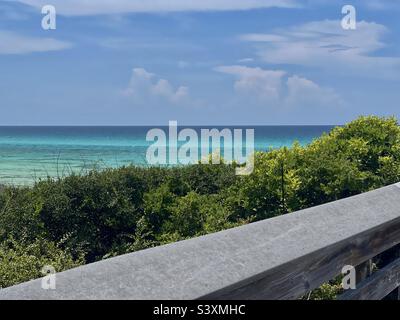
<point x="110" y="212"/>
<point x="20" y="261"/>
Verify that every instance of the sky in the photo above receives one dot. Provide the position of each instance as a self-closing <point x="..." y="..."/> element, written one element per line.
<point x="203" y="62"/>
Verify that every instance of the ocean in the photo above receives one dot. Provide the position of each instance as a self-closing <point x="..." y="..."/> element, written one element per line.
<point x="30" y="153"/>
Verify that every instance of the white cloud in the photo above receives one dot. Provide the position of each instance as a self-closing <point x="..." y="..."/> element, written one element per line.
<point x="79" y="7"/>
<point x="12" y="43"/>
<point x="276" y="88"/>
<point x="265" y="84"/>
<point x="244" y="60"/>
<point x="146" y="86"/>
<point x="301" y="91"/>
<point x="324" y="44"/>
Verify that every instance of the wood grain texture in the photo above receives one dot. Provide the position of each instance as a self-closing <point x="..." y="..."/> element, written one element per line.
<point x="294" y="279"/>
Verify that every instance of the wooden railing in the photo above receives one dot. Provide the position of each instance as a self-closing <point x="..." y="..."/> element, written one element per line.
<point x="280" y="258"/>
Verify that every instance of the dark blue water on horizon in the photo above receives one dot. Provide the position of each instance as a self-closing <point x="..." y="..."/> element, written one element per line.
<point x="30" y="153"/>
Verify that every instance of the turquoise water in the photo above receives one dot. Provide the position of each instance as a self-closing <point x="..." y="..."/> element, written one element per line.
<point x="30" y="153"/>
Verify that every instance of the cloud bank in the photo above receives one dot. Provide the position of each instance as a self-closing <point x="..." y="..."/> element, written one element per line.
<point x="13" y="43"/>
<point x="278" y="89"/>
<point x="94" y="7"/>
<point x="147" y="87"/>
<point x="325" y="45"/>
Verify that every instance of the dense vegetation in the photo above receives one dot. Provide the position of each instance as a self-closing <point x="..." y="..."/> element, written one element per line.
<point x="83" y="218"/>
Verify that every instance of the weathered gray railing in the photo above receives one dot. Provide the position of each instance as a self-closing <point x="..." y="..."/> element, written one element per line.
<point x="279" y="258"/>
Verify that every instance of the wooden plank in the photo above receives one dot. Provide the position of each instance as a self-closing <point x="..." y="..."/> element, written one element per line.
<point x="377" y="286"/>
<point x="394" y="295"/>
<point x="296" y="278"/>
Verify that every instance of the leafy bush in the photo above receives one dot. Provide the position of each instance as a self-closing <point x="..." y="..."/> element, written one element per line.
<point x="22" y="261"/>
<point x="110" y="212"/>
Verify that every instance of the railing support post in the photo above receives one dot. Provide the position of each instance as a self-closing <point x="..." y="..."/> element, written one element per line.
<point x="363" y="271"/>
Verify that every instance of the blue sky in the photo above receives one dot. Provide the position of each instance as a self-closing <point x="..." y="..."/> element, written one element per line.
<point x="249" y="62"/>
